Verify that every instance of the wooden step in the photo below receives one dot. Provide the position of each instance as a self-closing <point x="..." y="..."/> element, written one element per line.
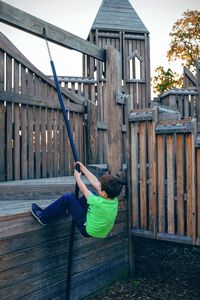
<point x="33" y="189"/>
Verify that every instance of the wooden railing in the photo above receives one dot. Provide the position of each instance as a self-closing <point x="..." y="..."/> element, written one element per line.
<point x="33" y="140"/>
<point x="185" y="100"/>
<point x="164" y="177"/>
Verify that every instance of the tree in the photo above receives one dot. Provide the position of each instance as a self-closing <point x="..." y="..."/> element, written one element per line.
<point x="165" y="80"/>
<point x="185" y="39"/>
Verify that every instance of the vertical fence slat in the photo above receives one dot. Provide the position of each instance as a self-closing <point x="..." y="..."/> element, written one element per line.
<point x="30" y="143"/>
<point x="152" y="175"/>
<point x="16" y="77"/>
<point x="49" y="138"/>
<point x="143" y="175"/>
<point x="161" y="183"/>
<point x="8" y="73"/>
<point x="37" y="142"/>
<point x="55" y="143"/>
<point x="61" y="146"/>
<point x="198" y="192"/>
<point x="44" y="142"/>
<point x="16" y="142"/>
<point x="134" y="174"/>
<point x="189" y="183"/>
<point x="170" y="184"/>
<point x="9" y="136"/>
<point x="66" y="150"/>
<point x="2" y="142"/>
<point x="24" y="153"/>
<point x="180" y="183"/>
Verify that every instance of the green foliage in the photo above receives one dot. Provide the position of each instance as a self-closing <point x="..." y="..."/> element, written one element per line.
<point x="184" y="45"/>
<point x="165" y="80"/>
<point x="185" y="39"/>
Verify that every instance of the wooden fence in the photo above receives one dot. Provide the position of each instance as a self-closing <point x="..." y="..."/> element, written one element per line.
<point x="185" y="100"/>
<point x="33" y="141"/>
<point x="164" y="177"/>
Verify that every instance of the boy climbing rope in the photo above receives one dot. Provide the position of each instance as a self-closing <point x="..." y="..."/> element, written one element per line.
<point x="94" y="215"/>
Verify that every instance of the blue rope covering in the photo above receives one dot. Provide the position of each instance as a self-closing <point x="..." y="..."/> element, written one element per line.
<point x="75" y="155"/>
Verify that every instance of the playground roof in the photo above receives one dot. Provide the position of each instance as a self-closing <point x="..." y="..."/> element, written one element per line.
<point x="118" y="15"/>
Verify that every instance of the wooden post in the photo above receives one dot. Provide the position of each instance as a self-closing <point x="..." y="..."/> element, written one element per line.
<point x="198" y="91"/>
<point x="113" y="86"/>
<point x="129" y="188"/>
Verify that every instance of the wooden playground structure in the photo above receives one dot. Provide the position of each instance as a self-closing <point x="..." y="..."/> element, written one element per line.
<point x="116" y="127"/>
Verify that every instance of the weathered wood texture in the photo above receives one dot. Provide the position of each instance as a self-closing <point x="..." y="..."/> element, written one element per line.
<point x="31" y="24"/>
<point x="34" y="141"/>
<point x="164" y="169"/>
<point x="33" y="258"/>
<point x="135" y="82"/>
<point x="185" y="100"/>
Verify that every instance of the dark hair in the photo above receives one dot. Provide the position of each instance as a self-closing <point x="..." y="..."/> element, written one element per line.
<point x="111" y="185"/>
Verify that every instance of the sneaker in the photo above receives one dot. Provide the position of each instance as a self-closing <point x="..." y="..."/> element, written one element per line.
<point x="37" y="212"/>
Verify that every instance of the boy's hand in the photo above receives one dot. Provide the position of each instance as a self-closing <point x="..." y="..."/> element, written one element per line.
<point x="79" y="165"/>
<point x="77" y="175"/>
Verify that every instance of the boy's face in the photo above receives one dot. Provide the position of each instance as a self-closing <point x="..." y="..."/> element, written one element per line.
<point x="102" y="193"/>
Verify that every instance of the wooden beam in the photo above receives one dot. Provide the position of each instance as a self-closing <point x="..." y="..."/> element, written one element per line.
<point x="18" y="18"/>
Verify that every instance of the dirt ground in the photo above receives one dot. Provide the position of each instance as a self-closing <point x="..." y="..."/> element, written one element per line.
<point x="164" y="271"/>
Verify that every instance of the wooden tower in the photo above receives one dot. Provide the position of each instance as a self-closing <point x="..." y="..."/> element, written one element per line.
<point x="116" y="24"/>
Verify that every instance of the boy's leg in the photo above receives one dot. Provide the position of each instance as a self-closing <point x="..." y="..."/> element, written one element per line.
<point x="58" y="208"/>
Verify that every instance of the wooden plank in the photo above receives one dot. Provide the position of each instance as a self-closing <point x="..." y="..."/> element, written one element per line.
<point x="170" y="184"/>
<point x="44" y="141"/>
<point x="8" y="73"/>
<point x="143" y="174"/>
<point x="9" y="48"/>
<point x="31" y="173"/>
<point x="180" y="184"/>
<point x="24" y="156"/>
<point x="134" y="175"/>
<point x="113" y="86"/>
<point x="55" y="143"/>
<point x="37" y="101"/>
<point x="189" y="183"/>
<point x="1" y="70"/>
<point x="49" y="139"/>
<point x="37" y="118"/>
<point x="23" y="80"/>
<point x="2" y="143"/>
<point x="198" y="191"/>
<point x="161" y="183"/>
<point x="152" y="176"/>
<point x="16" y="142"/>
<point x="61" y="145"/>
<point x="16" y="76"/>
<point x="35" y="26"/>
<point x="9" y="146"/>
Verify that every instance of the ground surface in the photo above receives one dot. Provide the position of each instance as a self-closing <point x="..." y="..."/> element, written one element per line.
<point x="164" y="271"/>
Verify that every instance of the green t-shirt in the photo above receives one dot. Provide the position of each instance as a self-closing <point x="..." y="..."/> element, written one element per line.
<point x="101" y="215"/>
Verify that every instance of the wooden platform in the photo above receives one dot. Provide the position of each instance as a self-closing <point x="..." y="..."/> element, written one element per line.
<point x="17" y="196"/>
<point x="33" y="258"/>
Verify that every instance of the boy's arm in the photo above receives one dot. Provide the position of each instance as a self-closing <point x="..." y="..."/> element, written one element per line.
<point x="83" y="188"/>
<point x="92" y="179"/>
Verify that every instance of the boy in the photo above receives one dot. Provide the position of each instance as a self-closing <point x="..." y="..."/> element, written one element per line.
<point x="94" y="215"/>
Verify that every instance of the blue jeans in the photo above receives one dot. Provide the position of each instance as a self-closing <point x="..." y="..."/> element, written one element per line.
<point x="77" y="208"/>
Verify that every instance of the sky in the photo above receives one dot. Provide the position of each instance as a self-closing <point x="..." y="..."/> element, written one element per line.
<point x="77" y="17"/>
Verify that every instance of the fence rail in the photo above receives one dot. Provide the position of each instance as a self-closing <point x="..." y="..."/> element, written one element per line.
<point x="185" y="100"/>
<point x="164" y="177"/>
<point x="33" y="142"/>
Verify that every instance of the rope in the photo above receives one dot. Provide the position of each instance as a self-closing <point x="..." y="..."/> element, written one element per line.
<point x="75" y="155"/>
